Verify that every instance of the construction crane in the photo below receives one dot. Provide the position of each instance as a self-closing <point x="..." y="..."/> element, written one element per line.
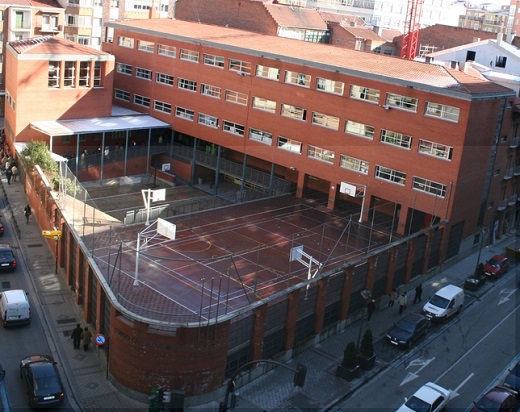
<point x="412" y="26"/>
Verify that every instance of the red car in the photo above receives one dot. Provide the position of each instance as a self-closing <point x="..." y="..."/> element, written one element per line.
<point x="496" y="266"/>
<point x="497" y="399"/>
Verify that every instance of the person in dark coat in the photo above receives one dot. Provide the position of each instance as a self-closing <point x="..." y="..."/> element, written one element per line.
<point x="371" y="306"/>
<point x="27" y="212"/>
<point x="9" y="175"/>
<point x="76" y="336"/>
<point x="418" y="294"/>
<point x="86" y="336"/>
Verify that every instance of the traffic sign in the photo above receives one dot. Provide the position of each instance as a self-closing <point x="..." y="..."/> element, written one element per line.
<point x="100" y="340"/>
<point x="52" y="234"/>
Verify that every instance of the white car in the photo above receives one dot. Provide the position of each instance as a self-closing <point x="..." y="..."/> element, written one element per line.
<point x="429" y="398"/>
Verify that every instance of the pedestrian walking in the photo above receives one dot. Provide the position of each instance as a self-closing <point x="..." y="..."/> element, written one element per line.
<point x="402" y="302"/>
<point x="418" y="294"/>
<point x="14" y="171"/>
<point x="393" y="297"/>
<point x="86" y="337"/>
<point x="371" y="306"/>
<point x="27" y="212"/>
<point x="8" y="175"/>
<point x="76" y="336"/>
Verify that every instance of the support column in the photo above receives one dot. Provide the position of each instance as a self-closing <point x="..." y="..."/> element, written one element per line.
<point x="257" y="348"/>
<point x="390" y="271"/>
<point x="333" y="192"/>
<point x="371" y="273"/>
<point x="401" y="225"/>
<point x="290" y="321"/>
<point x="348" y="275"/>
<point x="427" y="250"/>
<point x="409" y="260"/>
<point x="300" y="185"/>
<point x="321" y="300"/>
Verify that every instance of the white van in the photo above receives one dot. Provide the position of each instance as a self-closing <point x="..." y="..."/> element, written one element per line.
<point x="14" y="307"/>
<point x="445" y="303"/>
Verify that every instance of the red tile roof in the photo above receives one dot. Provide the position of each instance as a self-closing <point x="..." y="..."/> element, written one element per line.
<point x="46" y="3"/>
<point x="288" y="16"/>
<point x="52" y="45"/>
<point x="327" y="57"/>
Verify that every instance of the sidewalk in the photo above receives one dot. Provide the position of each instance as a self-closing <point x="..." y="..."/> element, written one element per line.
<point x="85" y="372"/>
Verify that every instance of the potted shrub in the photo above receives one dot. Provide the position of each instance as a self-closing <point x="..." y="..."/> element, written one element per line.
<point x="477" y="279"/>
<point x="367" y="357"/>
<point x="349" y="368"/>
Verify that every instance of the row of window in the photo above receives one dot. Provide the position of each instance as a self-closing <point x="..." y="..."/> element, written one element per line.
<point x="69" y="72"/>
<point x="358" y="92"/>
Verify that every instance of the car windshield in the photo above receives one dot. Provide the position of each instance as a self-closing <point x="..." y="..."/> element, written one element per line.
<point x="439" y="301"/>
<point x="48" y="384"/>
<point x="487" y="405"/>
<point x="418" y="405"/>
<point x="493" y="262"/>
<point x="406" y="325"/>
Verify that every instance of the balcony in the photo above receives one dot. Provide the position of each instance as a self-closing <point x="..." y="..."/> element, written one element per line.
<point x="512" y="200"/>
<point x="47" y="28"/>
<point x="502" y="205"/>
<point x="515" y="142"/>
<point x="509" y="173"/>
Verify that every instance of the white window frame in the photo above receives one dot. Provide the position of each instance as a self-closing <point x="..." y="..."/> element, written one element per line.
<point x="127" y="42"/>
<point x="162" y="106"/>
<point x="214" y="60"/>
<point x="442" y="111"/>
<point x="140" y="100"/>
<point x="293" y="112"/>
<point x="164" y="78"/>
<point x="208" y="120"/>
<point x="264" y="104"/>
<point x="146" y="46"/>
<point x="260" y="136"/>
<point x="142" y="73"/>
<point x="235" y="97"/>
<point x="429" y="186"/>
<point x="184" y="113"/>
<point x="266" y="72"/>
<point x="69" y="74"/>
<point x="354" y="164"/>
<point x="291" y="145"/>
<point x="84" y="74"/>
<point x="325" y="120"/>
<point x="396" y="139"/>
<point x="124" y="68"/>
<point x="365" y="131"/>
<point x="436" y="150"/>
<point x="240" y="66"/>
<point x="365" y="93"/>
<point x="298" y="79"/>
<point x="330" y="86"/>
<point x="234" y="128"/>
<point x="321" y="154"/>
<point x="390" y="175"/>
<point x="185" y="84"/>
<point x="210" y="90"/>
<point x="122" y="95"/>
<point x="53" y="76"/>
<point x="189" y="55"/>
<point x="165" y="50"/>
<point x="398" y="101"/>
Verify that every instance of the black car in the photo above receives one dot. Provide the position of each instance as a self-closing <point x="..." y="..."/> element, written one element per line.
<point x="7" y="259"/>
<point x="411" y="327"/>
<point x="42" y="381"/>
<point x="513" y="378"/>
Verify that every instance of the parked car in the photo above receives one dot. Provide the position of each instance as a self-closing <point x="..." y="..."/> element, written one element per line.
<point x="497" y="399"/>
<point x="7" y="259"/>
<point x="411" y="327"/>
<point x="496" y="266"/>
<point x="512" y="380"/>
<point x="430" y="397"/>
<point x="42" y="381"/>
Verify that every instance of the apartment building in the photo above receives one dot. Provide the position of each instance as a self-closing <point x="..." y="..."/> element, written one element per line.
<point x="25" y="19"/>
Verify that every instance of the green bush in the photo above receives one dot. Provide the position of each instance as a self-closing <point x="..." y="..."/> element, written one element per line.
<point x="37" y="153"/>
<point x="367" y="344"/>
<point x="349" y="356"/>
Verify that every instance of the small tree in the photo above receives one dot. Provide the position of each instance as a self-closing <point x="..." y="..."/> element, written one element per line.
<point x="367" y="345"/>
<point x="349" y="356"/>
<point x="37" y="153"/>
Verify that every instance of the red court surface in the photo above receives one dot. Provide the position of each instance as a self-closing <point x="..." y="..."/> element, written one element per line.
<point x="222" y="260"/>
